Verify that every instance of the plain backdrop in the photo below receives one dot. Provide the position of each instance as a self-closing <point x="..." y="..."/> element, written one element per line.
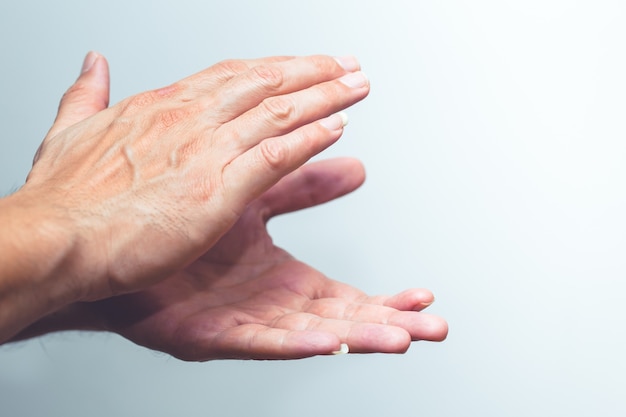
<point x="494" y="143"/>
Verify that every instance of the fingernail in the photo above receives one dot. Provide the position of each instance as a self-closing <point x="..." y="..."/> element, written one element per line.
<point x="335" y="122"/>
<point x="90" y="59"/>
<point x="354" y="79"/>
<point x="349" y="63"/>
<point x="343" y="349"/>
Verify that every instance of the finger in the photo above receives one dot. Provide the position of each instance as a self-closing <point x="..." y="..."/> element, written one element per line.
<point x="313" y="184"/>
<point x="87" y="96"/>
<point x="415" y="299"/>
<point x="197" y="86"/>
<point x="360" y="337"/>
<point x="250" y="88"/>
<point x="419" y="326"/>
<point x="255" y="341"/>
<point x="247" y="176"/>
<point x="282" y="114"/>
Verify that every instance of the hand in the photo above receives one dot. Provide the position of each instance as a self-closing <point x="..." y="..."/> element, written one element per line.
<point x="248" y="299"/>
<point x="148" y="185"/>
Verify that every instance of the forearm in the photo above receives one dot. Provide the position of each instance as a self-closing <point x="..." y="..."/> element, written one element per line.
<point x="36" y="247"/>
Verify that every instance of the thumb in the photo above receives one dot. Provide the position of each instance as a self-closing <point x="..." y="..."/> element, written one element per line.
<point x="87" y="96"/>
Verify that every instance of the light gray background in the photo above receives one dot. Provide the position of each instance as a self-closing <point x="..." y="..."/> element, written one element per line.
<point x="494" y="144"/>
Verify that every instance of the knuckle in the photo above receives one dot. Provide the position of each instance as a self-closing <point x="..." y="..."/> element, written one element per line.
<point x="267" y="76"/>
<point x="229" y="68"/>
<point x="170" y="90"/>
<point x="140" y="101"/>
<point x="274" y="154"/>
<point x="281" y="109"/>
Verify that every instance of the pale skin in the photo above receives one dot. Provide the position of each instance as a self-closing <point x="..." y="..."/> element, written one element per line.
<point x="174" y="252"/>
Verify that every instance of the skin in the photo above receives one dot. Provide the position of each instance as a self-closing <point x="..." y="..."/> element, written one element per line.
<point x="248" y="299"/>
<point x="154" y="181"/>
<point x="219" y="291"/>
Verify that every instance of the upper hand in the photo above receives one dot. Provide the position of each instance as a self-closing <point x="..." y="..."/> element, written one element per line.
<point x="148" y="185"/>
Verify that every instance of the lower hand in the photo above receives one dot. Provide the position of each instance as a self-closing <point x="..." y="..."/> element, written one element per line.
<point x="248" y="299"/>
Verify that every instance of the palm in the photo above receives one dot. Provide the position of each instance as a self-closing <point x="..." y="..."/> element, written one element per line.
<point x="247" y="298"/>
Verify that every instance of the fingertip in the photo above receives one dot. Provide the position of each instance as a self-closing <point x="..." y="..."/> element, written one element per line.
<point x="349" y="63"/>
<point x="443" y="331"/>
<point x="424" y="303"/>
<point x="440" y="332"/>
<point x="415" y="299"/>
<point x="94" y="77"/>
<point x="88" y="95"/>
<point x="403" y="342"/>
<point x="435" y="331"/>
<point x="335" y="121"/>
<point x="347" y="164"/>
<point x="95" y="64"/>
<point x="399" y="341"/>
<point x="353" y="174"/>
<point x="89" y="61"/>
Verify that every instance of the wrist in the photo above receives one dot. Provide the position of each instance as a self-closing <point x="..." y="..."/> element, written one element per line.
<point x="38" y="244"/>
